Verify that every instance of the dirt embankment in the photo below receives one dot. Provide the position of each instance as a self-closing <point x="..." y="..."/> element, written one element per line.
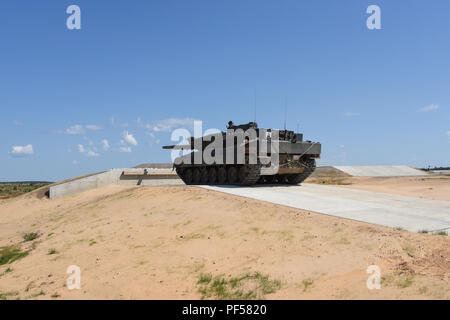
<point x="174" y="242"/>
<point x="428" y="187"/>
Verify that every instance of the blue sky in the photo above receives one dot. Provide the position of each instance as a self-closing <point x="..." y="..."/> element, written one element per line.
<point x="138" y="69"/>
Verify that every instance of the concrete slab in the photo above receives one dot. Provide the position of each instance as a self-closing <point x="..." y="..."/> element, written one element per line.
<point x="381" y="171"/>
<point x="409" y="213"/>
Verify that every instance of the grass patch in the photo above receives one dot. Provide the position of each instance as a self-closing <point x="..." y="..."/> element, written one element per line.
<point x="10" y="254"/>
<point x="37" y="294"/>
<point x="192" y="236"/>
<point x="344" y="240"/>
<point x="10" y="190"/>
<point x="194" y="199"/>
<point x="410" y="251"/>
<point x="30" y="236"/>
<point x="55" y="295"/>
<point x="331" y="181"/>
<point x="423" y="231"/>
<point x="441" y="233"/>
<point x="423" y="290"/>
<point x="5" y="295"/>
<point x="307" y="283"/>
<point x="205" y="278"/>
<point x="52" y="251"/>
<point x="404" y="282"/>
<point x="8" y="270"/>
<point x="249" y="286"/>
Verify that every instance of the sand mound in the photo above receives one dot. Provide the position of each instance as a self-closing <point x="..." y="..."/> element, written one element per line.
<point x="172" y="242"/>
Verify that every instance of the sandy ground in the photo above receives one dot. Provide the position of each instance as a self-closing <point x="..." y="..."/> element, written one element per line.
<point x="428" y="187"/>
<point x="156" y="242"/>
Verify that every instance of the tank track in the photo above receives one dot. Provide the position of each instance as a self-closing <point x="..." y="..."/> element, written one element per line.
<point x="310" y="166"/>
<point x="252" y="177"/>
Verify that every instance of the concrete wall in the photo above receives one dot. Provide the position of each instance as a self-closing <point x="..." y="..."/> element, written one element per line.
<point x="112" y="177"/>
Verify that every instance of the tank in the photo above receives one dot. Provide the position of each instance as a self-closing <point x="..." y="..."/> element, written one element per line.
<point x="246" y="155"/>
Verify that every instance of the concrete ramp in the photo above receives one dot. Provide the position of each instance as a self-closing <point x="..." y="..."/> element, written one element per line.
<point x="381" y="171"/>
<point x="384" y="209"/>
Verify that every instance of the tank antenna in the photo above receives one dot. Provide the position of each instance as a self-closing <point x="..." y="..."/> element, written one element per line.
<point x="255" y="105"/>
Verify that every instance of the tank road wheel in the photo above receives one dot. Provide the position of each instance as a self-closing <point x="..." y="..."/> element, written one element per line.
<point x="232" y="175"/>
<point x="281" y="179"/>
<point x="242" y="174"/>
<point x="221" y="175"/>
<point x="270" y="179"/>
<point x="204" y="176"/>
<point x="294" y="178"/>
<point x="212" y="176"/>
<point x="196" y="176"/>
<point x="187" y="176"/>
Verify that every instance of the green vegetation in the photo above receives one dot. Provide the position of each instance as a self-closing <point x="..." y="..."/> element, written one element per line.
<point x="441" y="233"/>
<point x="10" y="190"/>
<point x="423" y="290"/>
<point x="330" y="180"/>
<point x="52" y="251"/>
<point x="423" y="231"/>
<point x="410" y="251"/>
<point x="30" y="236"/>
<point x="398" y="279"/>
<point x="307" y="283"/>
<point x="9" y="254"/>
<point x="404" y="282"/>
<point x="246" y="287"/>
<point x="8" y="270"/>
<point x="37" y="294"/>
<point x="5" y="295"/>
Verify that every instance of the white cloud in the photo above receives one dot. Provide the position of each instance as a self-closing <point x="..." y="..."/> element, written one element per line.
<point x="448" y="133"/>
<point x="105" y="144"/>
<point x="128" y="138"/>
<point x="351" y="114"/>
<point x="88" y="152"/>
<point x="75" y="162"/>
<point x="91" y="153"/>
<point x="93" y="127"/>
<point x="118" y="124"/>
<point x="17" y="123"/>
<point x="124" y="149"/>
<point x="81" y="148"/>
<point x="167" y="125"/>
<point x="431" y="107"/>
<point x="79" y="129"/>
<point x="75" y="129"/>
<point x="22" y="151"/>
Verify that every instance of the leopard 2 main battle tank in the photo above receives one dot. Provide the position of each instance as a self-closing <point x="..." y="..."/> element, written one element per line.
<point x="246" y="155"/>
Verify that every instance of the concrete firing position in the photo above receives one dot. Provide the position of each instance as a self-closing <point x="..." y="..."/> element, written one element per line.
<point x="409" y="213"/>
<point x="381" y="171"/>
